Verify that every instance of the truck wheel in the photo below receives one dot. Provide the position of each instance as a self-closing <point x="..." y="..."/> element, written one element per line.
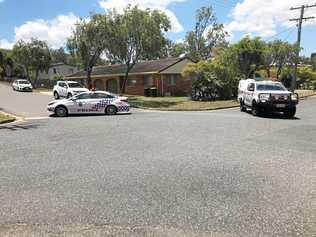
<point x="61" y="111"/>
<point x="56" y="96"/>
<point x="254" y="109"/>
<point x="290" y="113"/>
<point x="242" y="106"/>
<point x="111" y="110"/>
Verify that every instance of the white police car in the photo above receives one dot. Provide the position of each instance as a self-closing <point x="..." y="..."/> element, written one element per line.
<point x="92" y="102"/>
<point x="266" y="96"/>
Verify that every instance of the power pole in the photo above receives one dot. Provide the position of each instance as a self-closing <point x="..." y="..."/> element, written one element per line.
<point x="299" y="34"/>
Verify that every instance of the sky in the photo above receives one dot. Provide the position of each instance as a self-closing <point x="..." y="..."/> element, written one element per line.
<point x="53" y="20"/>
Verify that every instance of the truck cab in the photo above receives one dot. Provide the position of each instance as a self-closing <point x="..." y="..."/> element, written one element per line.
<point x="266" y="96"/>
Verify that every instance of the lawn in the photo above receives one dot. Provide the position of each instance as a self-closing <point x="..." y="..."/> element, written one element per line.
<point x="5" y="118"/>
<point x="178" y="103"/>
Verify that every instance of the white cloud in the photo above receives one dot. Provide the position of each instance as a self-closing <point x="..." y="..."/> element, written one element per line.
<point x="161" y="5"/>
<point x="5" y="44"/>
<point x="263" y="17"/>
<point x="55" y="32"/>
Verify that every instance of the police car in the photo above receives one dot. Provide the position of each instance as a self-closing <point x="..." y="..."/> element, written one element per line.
<point x="266" y="96"/>
<point x="22" y="85"/>
<point x="91" y="102"/>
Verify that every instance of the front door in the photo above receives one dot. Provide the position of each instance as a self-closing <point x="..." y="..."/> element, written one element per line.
<point x="111" y="85"/>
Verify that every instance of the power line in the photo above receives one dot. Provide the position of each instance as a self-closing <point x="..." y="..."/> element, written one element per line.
<point x="299" y="33"/>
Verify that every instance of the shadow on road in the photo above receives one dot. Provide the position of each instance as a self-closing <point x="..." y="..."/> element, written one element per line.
<point x="89" y="115"/>
<point x="16" y="127"/>
<point x="275" y="115"/>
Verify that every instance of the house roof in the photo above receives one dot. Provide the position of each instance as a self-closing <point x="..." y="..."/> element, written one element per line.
<point x="147" y="67"/>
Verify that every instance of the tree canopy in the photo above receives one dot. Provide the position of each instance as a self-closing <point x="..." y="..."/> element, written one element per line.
<point x="33" y="56"/>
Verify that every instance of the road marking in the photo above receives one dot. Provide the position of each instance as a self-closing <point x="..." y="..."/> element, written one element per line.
<point x="36" y="118"/>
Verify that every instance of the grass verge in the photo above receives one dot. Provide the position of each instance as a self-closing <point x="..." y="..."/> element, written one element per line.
<point x="178" y="103"/>
<point x="305" y="93"/>
<point x="5" y="118"/>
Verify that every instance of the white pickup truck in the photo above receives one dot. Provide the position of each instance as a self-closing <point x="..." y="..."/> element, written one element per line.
<point x="266" y="96"/>
<point x="67" y="89"/>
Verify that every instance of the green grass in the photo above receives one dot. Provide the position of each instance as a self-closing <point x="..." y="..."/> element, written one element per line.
<point x="5" y="118"/>
<point x="178" y="103"/>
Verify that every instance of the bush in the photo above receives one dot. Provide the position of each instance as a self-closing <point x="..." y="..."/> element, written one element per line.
<point x="213" y="81"/>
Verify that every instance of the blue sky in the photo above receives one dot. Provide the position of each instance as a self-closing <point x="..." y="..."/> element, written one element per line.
<point x="52" y="20"/>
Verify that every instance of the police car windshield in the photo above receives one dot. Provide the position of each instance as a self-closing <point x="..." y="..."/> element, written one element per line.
<point x="74" y="85"/>
<point x="23" y="82"/>
<point x="270" y="87"/>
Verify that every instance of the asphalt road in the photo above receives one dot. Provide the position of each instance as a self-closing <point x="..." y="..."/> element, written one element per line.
<point x="221" y="173"/>
<point x="23" y="104"/>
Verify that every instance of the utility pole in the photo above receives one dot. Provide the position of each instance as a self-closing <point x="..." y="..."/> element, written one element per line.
<point x="299" y="34"/>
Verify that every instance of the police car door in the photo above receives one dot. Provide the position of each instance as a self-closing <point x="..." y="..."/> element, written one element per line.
<point x="81" y="103"/>
<point x="249" y="94"/>
<point x="99" y="101"/>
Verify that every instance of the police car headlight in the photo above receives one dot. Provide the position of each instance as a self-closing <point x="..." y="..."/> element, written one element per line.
<point x="294" y="97"/>
<point x="264" y="96"/>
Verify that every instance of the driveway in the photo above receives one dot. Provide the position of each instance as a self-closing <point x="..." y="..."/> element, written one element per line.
<point x="220" y="173"/>
<point x="23" y="104"/>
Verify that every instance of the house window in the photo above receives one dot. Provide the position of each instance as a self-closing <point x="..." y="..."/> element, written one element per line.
<point x="55" y="70"/>
<point x="148" y="80"/>
<point x="131" y="82"/>
<point x="171" y="79"/>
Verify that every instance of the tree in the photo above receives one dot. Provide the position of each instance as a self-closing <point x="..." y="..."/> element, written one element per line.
<point x="6" y="62"/>
<point x="313" y="61"/>
<point x="138" y="35"/>
<point x="213" y="80"/>
<point x="207" y="35"/>
<point x="34" y="56"/>
<point x="283" y="54"/>
<point x="247" y="55"/>
<point x="59" y="56"/>
<point x="88" y="41"/>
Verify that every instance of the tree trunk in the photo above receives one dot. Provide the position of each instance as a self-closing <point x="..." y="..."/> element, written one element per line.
<point x="35" y="79"/>
<point x="279" y="72"/>
<point x="268" y="72"/>
<point x="89" y="81"/>
<point x="124" y="82"/>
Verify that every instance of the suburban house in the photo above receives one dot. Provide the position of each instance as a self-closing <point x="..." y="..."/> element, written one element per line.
<point x="58" y="69"/>
<point x="164" y="74"/>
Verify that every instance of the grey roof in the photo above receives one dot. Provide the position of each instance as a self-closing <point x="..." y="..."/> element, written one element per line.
<point x="154" y="66"/>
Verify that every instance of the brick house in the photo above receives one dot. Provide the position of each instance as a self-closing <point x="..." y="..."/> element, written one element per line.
<point x="164" y="74"/>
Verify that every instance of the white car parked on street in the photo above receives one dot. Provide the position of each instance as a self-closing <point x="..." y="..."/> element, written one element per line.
<point x="67" y="89"/>
<point x="91" y="102"/>
<point x="266" y="96"/>
<point x="22" y="85"/>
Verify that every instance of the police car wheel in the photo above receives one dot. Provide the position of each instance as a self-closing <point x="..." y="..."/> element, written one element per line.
<point x="111" y="110"/>
<point x="255" y="110"/>
<point x="290" y="113"/>
<point x="242" y="106"/>
<point x="56" y="96"/>
<point x="61" y="111"/>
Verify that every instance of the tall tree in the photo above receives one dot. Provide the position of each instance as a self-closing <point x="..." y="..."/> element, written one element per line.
<point x="88" y="41"/>
<point x="207" y="35"/>
<point x="313" y="61"/>
<point x="34" y="56"/>
<point x="6" y="63"/>
<point x="283" y="53"/>
<point x="59" y="55"/>
<point x="138" y="35"/>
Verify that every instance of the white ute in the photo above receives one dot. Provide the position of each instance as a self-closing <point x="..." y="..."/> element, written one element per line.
<point x="266" y="96"/>
<point x="68" y="89"/>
